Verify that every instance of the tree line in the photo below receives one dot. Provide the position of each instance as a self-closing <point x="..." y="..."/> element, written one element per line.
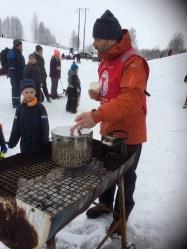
<point x="11" y="27"/>
<point x="176" y="44"/>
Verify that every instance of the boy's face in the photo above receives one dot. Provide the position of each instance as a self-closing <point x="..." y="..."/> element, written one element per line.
<point x="32" y="60"/>
<point x="28" y="94"/>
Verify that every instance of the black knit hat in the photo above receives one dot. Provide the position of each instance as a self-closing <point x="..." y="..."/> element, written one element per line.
<point x="26" y="83"/>
<point x="38" y="48"/>
<point x="107" y="27"/>
<point x="17" y="42"/>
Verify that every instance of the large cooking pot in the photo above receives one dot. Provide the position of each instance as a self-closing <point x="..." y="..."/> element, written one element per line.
<point x="71" y="151"/>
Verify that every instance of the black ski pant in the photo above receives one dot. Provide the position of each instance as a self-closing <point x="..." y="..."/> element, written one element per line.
<point x="16" y="93"/>
<point x="72" y="101"/>
<point x="45" y="90"/>
<point x="54" y="87"/>
<point x="107" y="197"/>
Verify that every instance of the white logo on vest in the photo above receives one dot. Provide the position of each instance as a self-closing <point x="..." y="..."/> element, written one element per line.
<point x="103" y="82"/>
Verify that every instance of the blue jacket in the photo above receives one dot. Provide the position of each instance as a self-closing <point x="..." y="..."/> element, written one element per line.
<point x="16" y="64"/>
<point x="31" y="125"/>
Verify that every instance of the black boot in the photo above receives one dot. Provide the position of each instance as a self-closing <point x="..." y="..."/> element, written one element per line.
<point x="48" y="100"/>
<point x="99" y="210"/>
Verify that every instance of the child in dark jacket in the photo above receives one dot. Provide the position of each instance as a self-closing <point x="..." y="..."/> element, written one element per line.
<point x="32" y="71"/>
<point x="2" y="143"/>
<point x="73" y="90"/>
<point x="30" y="122"/>
<point x="55" y="73"/>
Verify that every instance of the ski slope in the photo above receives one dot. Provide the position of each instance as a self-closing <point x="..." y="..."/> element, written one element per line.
<point x="159" y="218"/>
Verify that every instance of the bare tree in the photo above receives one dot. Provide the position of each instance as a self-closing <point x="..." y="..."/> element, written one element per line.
<point x="151" y="53"/>
<point x="134" y="41"/>
<point x="16" y="28"/>
<point x="44" y="35"/>
<point x="34" y="28"/>
<point x="41" y="33"/>
<point x="19" y="29"/>
<point x="177" y="43"/>
<point x="6" y="27"/>
<point x="12" y="27"/>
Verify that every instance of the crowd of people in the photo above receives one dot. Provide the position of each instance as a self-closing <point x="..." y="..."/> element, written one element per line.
<point x="35" y="70"/>
<point x="29" y="87"/>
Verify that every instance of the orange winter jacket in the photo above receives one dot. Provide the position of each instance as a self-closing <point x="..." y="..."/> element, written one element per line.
<point x="126" y="110"/>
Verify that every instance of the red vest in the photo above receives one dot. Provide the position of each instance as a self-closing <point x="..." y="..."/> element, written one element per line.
<point x="110" y="76"/>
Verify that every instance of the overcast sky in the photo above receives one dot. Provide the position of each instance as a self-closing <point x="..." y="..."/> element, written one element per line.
<point x="155" y="21"/>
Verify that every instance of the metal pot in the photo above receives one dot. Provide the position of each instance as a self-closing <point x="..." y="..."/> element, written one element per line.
<point x="71" y="151"/>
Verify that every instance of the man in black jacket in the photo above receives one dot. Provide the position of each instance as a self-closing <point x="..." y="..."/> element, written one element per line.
<point x="16" y="64"/>
<point x="41" y="64"/>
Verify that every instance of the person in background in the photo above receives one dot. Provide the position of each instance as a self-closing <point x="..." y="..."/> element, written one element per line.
<point x="73" y="90"/>
<point x="185" y="103"/>
<point x="55" y="73"/>
<point x="123" y="76"/>
<point x="78" y="58"/>
<point x="16" y="64"/>
<point x="30" y="124"/>
<point x="170" y="52"/>
<point x="32" y="71"/>
<point x="41" y="64"/>
<point x="2" y="144"/>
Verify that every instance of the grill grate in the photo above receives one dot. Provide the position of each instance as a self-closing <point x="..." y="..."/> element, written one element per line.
<point x="48" y="187"/>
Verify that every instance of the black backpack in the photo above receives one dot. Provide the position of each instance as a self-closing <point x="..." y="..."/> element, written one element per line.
<point x="3" y="59"/>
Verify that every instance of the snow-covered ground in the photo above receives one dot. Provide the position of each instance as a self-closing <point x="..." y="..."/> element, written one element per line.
<point x="159" y="219"/>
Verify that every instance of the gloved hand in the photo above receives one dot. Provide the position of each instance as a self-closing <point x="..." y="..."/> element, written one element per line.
<point x="4" y="148"/>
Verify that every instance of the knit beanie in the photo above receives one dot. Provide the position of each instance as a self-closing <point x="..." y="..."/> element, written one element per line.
<point x="74" y="67"/>
<point x="107" y="27"/>
<point x="32" y="56"/>
<point x="16" y="42"/>
<point x="38" y="48"/>
<point x="27" y="83"/>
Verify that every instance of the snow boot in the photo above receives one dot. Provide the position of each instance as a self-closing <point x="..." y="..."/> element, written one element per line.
<point x="99" y="210"/>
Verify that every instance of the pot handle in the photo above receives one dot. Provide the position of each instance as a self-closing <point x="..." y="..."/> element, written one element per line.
<point x="79" y="131"/>
<point x="115" y="132"/>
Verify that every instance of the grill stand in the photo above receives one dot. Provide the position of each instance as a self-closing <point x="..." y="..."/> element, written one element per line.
<point x="51" y="244"/>
<point x="122" y="223"/>
<point x="74" y="193"/>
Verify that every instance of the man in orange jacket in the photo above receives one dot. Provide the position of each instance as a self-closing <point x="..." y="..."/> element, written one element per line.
<point x="123" y="76"/>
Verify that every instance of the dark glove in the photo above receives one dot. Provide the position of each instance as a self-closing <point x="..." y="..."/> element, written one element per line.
<point x="4" y="148"/>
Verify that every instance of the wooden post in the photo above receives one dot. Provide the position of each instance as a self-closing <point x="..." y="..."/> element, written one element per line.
<point x="51" y="244"/>
<point x="122" y="213"/>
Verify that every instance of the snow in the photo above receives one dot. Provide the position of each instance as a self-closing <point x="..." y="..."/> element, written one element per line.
<point x="159" y="218"/>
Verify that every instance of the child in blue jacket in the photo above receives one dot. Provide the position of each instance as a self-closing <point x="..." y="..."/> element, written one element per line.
<point x="30" y="124"/>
